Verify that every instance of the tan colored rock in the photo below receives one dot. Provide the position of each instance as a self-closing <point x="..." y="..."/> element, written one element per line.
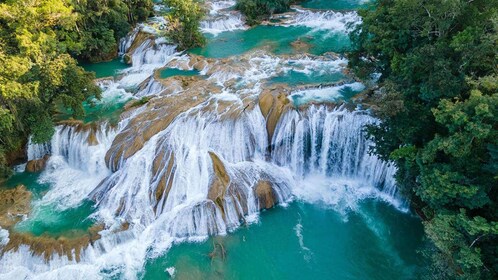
<point x="220" y="181"/>
<point x="273" y="103"/>
<point x="157" y="116"/>
<point x="14" y="203"/>
<point x="265" y="195"/>
<point x="47" y="246"/>
<point x="37" y="165"/>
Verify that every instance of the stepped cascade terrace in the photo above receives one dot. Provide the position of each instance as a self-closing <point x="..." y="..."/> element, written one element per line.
<point x="246" y="157"/>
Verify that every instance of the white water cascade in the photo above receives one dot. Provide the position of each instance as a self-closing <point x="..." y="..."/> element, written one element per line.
<point x="222" y="19"/>
<point x="332" y="144"/>
<point x="208" y="171"/>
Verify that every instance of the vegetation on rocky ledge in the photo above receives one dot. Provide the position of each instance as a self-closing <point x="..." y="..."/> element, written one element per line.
<point x="256" y="11"/>
<point x="183" y="23"/>
<point x="438" y="102"/>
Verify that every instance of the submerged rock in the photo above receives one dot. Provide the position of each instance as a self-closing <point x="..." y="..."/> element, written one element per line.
<point x="14" y="204"/>
<point x="301" y="46"/>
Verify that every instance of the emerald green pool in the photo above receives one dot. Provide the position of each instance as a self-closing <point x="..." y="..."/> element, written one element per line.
<point x="50" y="221"/>
<point x="105" y="69"/>
<point x="277" y="39"/>
<point x="336" y="4"/>
<point x="170" y="72"/>
<point x="304" y="241"/>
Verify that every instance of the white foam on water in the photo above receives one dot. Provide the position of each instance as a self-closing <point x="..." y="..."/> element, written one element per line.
<point x="223" y="24"/>
<point x="328" y="151"/>
<point x="336" y="22"/>
<point x="171" y="271"/>
<point x="4" y="237"/>
<point x="324" y="94"/>
<point x="222" y="20"/>
<point x="298" y="229"/>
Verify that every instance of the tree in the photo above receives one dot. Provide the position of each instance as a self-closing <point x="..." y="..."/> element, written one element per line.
<point x="438" y="104"/>
<point x="36" y="73"/>
<point x="102" y="23"/>
<point x="184" y="21"/>
<point x="259" y="10"/>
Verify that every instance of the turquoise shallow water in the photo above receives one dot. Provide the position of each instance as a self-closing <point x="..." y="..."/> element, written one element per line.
<point x="48" y="219"/>
<point x="170" y="72"/>
<point x="336" y="4"/>
<point x="304" y="241"/>
<point x="277" y="39"/>
<point x="105" y="69"/>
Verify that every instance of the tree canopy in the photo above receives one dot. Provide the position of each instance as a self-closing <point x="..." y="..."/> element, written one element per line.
<point x="258" y="10"/>
<point x="183" y="23"/>
<point x="38" y="71"/>
<point x="438" y="102"/>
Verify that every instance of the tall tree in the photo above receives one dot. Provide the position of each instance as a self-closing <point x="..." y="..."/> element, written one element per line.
<point x="438" y="102"/>
<point x="36" y="73"/>
<point x="184" y="21"/>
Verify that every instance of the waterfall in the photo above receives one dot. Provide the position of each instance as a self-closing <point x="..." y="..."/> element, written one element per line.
<point x="323" y="20"/>
<point x="37" y="151"/>
<point x="331" y="144"/>
<point x="76" y="163"/>
<point x="221" y="20"/>
<point x="223" y="24"/>
<point x="183" y="174"/>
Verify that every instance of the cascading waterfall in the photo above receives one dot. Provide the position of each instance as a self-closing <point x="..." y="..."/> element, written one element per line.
<point x="331" y="143"/>
<point x="76" y="164"/>
<point x="323" y="20"/>
<point x="209" y="170"/>
<point x="165" y="189"/>
<point x="221" y="20"/>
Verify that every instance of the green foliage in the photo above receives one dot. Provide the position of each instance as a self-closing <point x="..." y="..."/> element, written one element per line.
<point x="102" y="23"/>
<point x="438" y="105"/>
<point x="184" y="20"/>
<point x="258" y="10"/>
<point x="38" y="73"/>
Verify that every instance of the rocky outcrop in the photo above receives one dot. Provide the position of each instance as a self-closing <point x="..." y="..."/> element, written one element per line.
<point x="265" y="195"/>
<point x="47" y="246"/>
<point x="140" y="38"/>
<point x="220" y="181"/>
<point x="300" y="46"/>
<point x="37" y="165"/>
<point x="273" y="103"/>
<point x="14" y="204"/>
<point x="157" y="116"/>
<point x="80" y="126"/>
<point x="163" y="170"/>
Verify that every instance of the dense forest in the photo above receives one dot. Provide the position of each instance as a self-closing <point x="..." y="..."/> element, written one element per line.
<point x="438" y="102"/>
<point x="40" y="42"/>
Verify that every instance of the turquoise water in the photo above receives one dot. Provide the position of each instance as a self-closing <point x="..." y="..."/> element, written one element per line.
<point x="170" y="72"/>
<point x="336" y="4"/>
<point x="304" y="241"/>
<point x="50" y="221"/>
<point x="294" y="78"/>
<point x="277" y="39"/>
<point x="105" y="69"/>
<point x="30" y="181"/>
